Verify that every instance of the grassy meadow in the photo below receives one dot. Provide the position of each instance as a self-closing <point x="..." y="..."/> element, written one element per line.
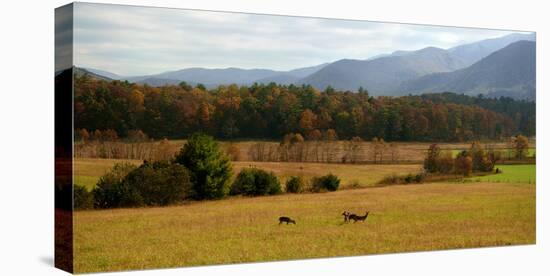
<point x="491" y="210"/>
<point x="403" y="218"/>
<point x="88" y="170"/>
<point x="511" y="174"/>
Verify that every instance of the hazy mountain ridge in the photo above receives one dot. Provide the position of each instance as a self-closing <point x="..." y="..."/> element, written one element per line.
<point x="507" y="72"/>
<point x="473" y="52"/>
<point x="84" y="71"/>
<point x="104" y="73"/>
<point x="385" y="74"/>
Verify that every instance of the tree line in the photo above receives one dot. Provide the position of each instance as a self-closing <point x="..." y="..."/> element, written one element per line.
<point x="271" y="111"/>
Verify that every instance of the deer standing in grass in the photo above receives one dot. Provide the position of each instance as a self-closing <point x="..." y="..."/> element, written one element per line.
<point x="346" y="215"/>
<point x="287" y="220"/>
<point x="356" y="218"/>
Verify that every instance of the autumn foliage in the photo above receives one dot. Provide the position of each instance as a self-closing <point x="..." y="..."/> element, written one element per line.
<point x="271" y="111"/>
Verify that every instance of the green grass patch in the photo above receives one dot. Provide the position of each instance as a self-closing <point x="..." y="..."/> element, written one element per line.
<point x="86" y="181"/>
<point x="512" y="173"/>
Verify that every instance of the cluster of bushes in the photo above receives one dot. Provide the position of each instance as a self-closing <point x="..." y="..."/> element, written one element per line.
<point x="201" y="170"/>
<point x="151" y="184"/>
<point x="476" y="159"/>
<point x="328" y="182"/>
<point x="294" y="184"/>
<point x="255" y="182"/>
<point x="297" y="184"/>
<point x="407" y="179"/>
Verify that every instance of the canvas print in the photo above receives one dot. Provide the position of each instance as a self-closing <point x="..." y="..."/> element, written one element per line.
<point x="191" y="137"/>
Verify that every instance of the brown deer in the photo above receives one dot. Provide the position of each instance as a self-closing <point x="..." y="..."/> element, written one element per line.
<point x="287" y="220"/>
<point x="346" y="215"/>
<point x="356" y="218"/>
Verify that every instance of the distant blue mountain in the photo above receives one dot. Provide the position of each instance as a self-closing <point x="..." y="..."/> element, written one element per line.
<point x="509" y="71"/>
<point x="400" y="72"/>
<point x="384" y="75"/>
<point x="104" y="73"/>
<point x="473" y="52"/>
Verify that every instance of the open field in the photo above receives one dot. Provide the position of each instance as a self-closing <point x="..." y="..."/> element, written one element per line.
<point x="240" y="229"/>
<point x="350" y="174"/>
<point x="512" y="173"/>
<point x="403" y="218"/>
<point x="89" y="170"/>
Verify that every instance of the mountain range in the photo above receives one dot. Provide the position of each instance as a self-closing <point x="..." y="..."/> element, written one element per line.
<point x="507" y="72"/>
<point x="483" y="67"/>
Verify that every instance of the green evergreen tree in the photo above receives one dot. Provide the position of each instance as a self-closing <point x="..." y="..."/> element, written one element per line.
<point x="209" y="166"/>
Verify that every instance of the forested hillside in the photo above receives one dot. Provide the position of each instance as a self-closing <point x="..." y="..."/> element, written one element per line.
<point x="271" y="111"/>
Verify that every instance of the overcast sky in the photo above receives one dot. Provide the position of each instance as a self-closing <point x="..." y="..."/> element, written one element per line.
<point x="130" y="40"/>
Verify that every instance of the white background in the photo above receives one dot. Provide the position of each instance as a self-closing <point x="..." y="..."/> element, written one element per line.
<point x="26" y="133"/>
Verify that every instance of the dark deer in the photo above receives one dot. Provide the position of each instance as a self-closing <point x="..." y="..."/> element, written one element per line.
<point x="346" y="215"/>
<point x="356" y="218"/>
<point x="287" y="220"/>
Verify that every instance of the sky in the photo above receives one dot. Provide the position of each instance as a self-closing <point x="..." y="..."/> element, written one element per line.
<point x="131" y="40"/>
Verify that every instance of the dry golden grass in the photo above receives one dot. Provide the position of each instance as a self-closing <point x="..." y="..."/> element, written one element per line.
<point x="360" y="175"/>
<point x="403" y="218"/>
<point x="89" y="170"/>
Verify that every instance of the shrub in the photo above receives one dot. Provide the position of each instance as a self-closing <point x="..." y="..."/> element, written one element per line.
<point x="255" y="182"/>
<point x="391" y="179"/>
<point x="82" y="198"/>
<point x="430" y="163"/>
<point x="463" y="163"/>
<point x="295" y="185"/>
<point x="481" y="159"/>
<point x="445" y="163"/>
<point x="328" y="182"/>
<point x="108" y="193"/>
<point x="521" y="146"/>
<point x="419" y="178"/>
<point x="210" y="168"/>
<point x="409" y="178"/>
<point x="158" y="183"/>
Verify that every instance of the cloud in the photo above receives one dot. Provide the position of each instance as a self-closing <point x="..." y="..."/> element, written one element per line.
<point x="130" y="40"/>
